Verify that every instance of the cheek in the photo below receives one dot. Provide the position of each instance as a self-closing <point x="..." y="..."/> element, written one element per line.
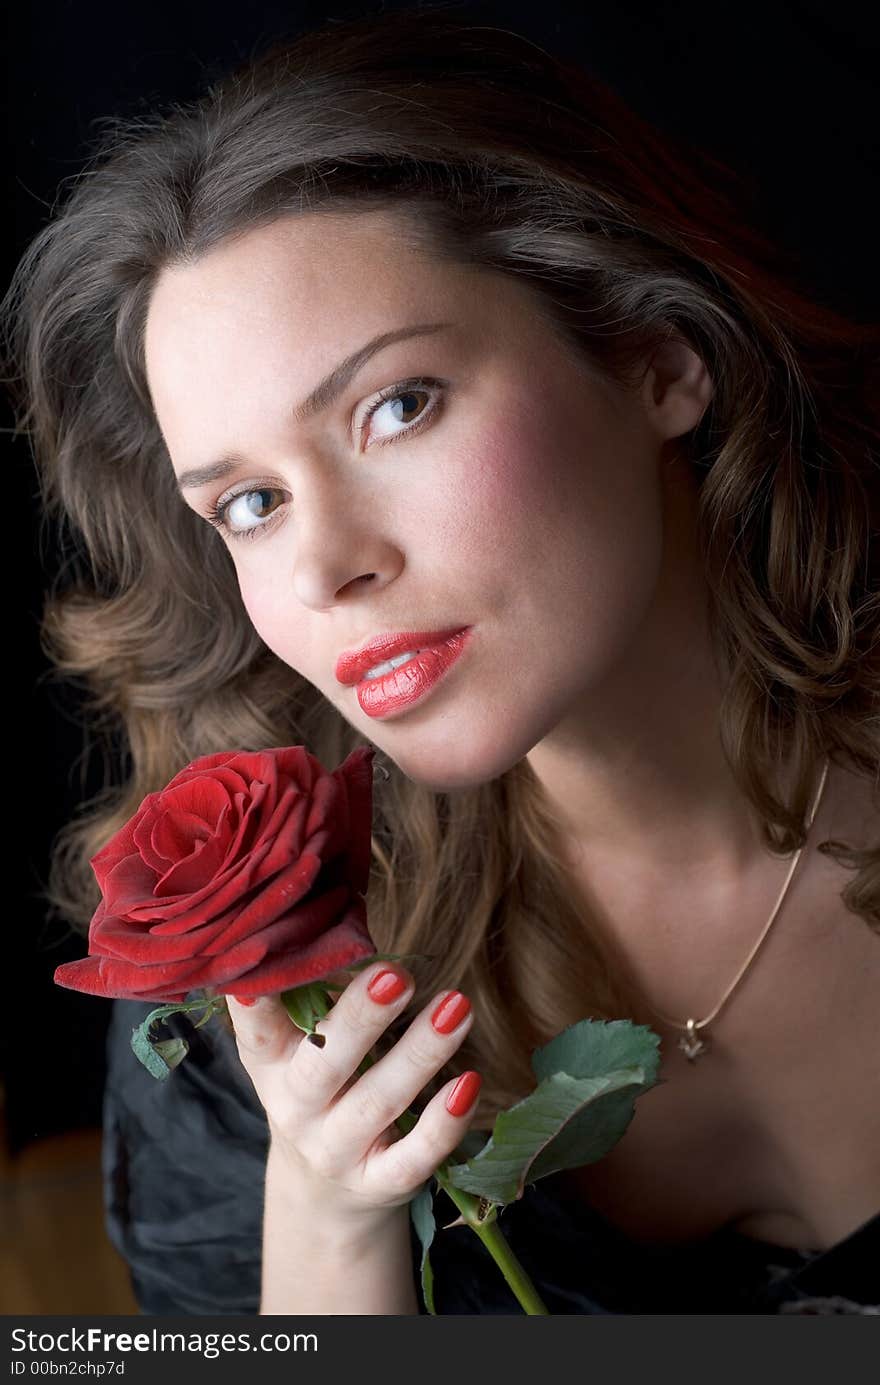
<point x="273" y="616"/>
<point x="555" y="495"/>
<point x="566" y="513"/>
<point x="500" y="487"/>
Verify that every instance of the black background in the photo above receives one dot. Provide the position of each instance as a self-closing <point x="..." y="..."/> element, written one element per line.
<point x="788" y="93"/>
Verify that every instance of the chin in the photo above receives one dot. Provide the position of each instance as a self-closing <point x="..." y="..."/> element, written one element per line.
<point x="453" y="769"/>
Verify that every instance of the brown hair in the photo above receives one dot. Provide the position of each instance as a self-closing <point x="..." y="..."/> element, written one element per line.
<point x="515" y="161"/>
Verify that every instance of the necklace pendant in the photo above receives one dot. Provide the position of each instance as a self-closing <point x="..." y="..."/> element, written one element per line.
<point x="691" y="1044"/>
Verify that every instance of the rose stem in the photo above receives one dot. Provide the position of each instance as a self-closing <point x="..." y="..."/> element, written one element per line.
<point x="488" y="1231"/>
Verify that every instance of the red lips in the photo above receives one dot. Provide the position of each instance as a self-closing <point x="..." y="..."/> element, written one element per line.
<point x="353" y="664"/>
<point x="410" y="682"/>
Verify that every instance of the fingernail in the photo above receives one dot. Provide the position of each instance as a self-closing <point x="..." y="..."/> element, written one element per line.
<point x="464" y="1093"/>
<point x="242" y="1000"/>
<point x="386" y="986"/>
<point x="450" y="1012"/>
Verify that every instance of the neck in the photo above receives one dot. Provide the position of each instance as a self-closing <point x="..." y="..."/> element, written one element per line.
<point x="635" y="770"/>
<point x="654" y="789"/>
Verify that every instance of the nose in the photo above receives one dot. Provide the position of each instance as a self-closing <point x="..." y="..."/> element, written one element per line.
<point x="343" y="547"/>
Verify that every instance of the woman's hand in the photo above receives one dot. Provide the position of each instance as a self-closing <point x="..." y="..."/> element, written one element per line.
<point x="332" y="1128"/>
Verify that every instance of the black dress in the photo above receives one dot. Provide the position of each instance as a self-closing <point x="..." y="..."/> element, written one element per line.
<point x="184" y="1165"/>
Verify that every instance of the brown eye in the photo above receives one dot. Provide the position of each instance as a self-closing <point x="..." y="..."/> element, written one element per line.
<point x="408" y="405"/>
<point x="231" y="515"/>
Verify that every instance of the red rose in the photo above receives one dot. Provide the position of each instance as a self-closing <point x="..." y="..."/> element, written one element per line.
<point x="244" y="875"/>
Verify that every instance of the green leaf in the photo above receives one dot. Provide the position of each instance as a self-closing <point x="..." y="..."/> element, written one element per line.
<point x="471" y="1142"/>
<point x="592" y="1048"/>
<point x="171" y="1051"/>
<point x="211" y="1010"/>
<point x="589" y="1077"/>
<point x="421" y="1210"/>
<point x="306" y="1005"/>
<point x="159" y="1056"/>
<point x="524" y="1142"/>
<point x="144" y="1052"/>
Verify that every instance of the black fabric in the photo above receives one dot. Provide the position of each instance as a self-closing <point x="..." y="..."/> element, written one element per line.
<point x="184" y="1164"/>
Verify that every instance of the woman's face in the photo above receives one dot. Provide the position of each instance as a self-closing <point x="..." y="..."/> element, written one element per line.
<point x="511" y="491"/>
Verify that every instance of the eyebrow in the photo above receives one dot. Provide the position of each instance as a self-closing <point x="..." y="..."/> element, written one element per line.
<point x="321" y="397"/>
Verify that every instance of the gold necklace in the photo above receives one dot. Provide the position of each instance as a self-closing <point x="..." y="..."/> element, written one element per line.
<point x="693" y="1044"/>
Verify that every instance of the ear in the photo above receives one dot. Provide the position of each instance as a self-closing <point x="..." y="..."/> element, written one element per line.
<point x="676" y="388"/>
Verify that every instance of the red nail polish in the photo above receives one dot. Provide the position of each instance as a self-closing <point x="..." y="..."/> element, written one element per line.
<point x="386" y="986"/>
<point x="450" y="1012"/>
<point x="245" y="1000"/>
<point x="464" y="1093"/>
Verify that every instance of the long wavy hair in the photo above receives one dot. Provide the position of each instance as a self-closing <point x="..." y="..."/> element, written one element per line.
<point x="506" y="157"/>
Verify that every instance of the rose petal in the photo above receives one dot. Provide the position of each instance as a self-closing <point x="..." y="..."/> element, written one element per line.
<point x="247" y="869"/>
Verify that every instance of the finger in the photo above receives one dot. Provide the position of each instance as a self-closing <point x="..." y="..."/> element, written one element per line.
<point x="264" y="1032"/>
<point x="350" y="1029"/>
<point x="386" y="1089"/>
<point x="401" y="1167"/>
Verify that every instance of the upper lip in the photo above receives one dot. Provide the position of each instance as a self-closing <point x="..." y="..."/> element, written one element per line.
<point x="352" y="664"/>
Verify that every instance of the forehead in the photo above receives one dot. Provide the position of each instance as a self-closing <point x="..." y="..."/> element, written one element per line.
<point x="312" y="243"/>
<point x="305" y="290"/>
<point x="309" y="265"/>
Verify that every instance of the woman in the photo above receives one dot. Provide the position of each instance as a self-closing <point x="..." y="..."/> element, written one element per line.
<point x="408" y="329"/>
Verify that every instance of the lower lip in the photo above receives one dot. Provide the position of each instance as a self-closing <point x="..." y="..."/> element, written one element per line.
<point x="412" y="681"/>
